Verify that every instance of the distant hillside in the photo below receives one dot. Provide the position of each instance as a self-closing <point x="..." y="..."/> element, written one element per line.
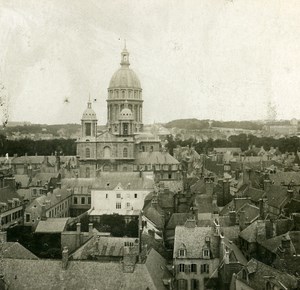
<point x="195" y="124"/>
<point x="61" y="130"/>
<point x="188" y="124"/>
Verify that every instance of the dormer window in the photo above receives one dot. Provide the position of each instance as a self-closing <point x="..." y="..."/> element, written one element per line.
<point x="182" y="253"/>
<point x="205" y="253"/>
<point x="244" y="275"/>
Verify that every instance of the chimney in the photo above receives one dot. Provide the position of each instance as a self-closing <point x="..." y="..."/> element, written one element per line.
<point x="261" y="209"/>
<point x="267" y="184"/>
<point x="286" y="243"/>
<point x="78" y="234"/>
<point x="3" y="236"/>
<point x="129" y="260"/>
<point x="290" y="193"/>
<point x="261" y="230"/>
<point x="90" y="229"/>
<point x="43" y="214"/>
<point x="51" y="189"/>
<point x="209" y="187"/>
<point x="232" y="218"/>
<point x="242" y="220"/>
<point x="65" y="258"/>
<point x="226" y="256"/>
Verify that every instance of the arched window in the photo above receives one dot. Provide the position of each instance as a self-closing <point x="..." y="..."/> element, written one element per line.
<point x="87" y="172"/>
<point x="107" y="152"/>
<point x="87" y="153"/>
<point x="125" y="152"/>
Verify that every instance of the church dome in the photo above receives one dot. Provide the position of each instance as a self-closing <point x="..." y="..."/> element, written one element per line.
<point x="89" y="114"/>
<point x="126" y="114"/>
<point x="125" y="78"/>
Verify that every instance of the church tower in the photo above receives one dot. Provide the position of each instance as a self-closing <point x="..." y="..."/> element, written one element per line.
<point x="124" y="92"/>
<point x="89" y="122"/>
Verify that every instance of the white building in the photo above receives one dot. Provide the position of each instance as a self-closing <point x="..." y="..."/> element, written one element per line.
<point x="120" y="193"/>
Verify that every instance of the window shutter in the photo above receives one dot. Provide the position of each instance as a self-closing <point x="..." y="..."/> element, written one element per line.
<point x="202" y="268"/>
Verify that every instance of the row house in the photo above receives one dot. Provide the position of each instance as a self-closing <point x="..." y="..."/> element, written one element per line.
<point x="52" y="205"/>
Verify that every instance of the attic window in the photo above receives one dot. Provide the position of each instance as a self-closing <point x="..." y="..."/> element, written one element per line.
<point x="205" y="253"/>
<point x="182" y="253"/>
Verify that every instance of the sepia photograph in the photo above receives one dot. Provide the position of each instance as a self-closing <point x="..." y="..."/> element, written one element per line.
<point x="149" y="145"/>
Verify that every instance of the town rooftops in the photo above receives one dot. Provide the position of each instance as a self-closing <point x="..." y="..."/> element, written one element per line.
<point x="48" y="274"/>
<point x="155" y="157"/>
<point x="52" y="225"/>
<point x="14" y="250"/>
<point x="100" y="246"/>
<point x="110" y="180"/>
<point x="277" y="196"/>
<point x="193" y="239"/>
<point x="259" y="274"/>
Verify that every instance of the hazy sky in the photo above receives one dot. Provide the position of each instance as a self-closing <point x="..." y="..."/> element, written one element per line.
<point x="205" y="59"/>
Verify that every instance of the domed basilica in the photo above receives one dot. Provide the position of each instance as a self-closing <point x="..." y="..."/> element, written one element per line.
<point x="123" y="146"/>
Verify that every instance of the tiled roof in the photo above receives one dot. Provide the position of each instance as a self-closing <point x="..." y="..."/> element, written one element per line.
<point x="89" y="275"/>
<point x="277" y="196"/>
<point x="198" y="187"/>
<point x="14" y="250"/>
<point x="251" y="212"/>
<point x="261" y="273"/>
<point x="193" y="239"/>
<point x="204" y="204"/>
<point x="52" y="225"/>
<point x="286" y="177"/>
<point x="6" y="193"/>
<point x="173" y="185"/>
<point x="43" y="177"/>
<point x="274" y="243"/>
<point x="23" y="179"/>
<point x="255" y="194"/>
<point x="52" y="199"/>
<point x="293" y="206"/>
<point x="178" y="219"/>
<point x="128" y="180"/>
<point x="99" y="246"/>
<point x="249" y="233"/>
<point x="155" y="157"/>
<point x="155" y="214"/>
<point x="235" y="253"/>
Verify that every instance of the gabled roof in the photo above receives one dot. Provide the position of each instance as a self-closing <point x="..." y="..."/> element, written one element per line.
<point x="255" y="194"/>
<point x="260" y="273"/>
<point x="194" y="239"/>
<point x="155" y="214"/>
<point x="6" y="194"/>
<point x="43" y="177"/>
<point x="14" y="250"/>
<point x="277" y="196"/>
<point x="236" y="254"/>
<point x="177" y="219"/>
<point x="273" y="244"/>
<point x="285" y="177"/>
<point x="48" y="274"/>
<point x="23" y="179"/>
<point x="251" y="212"/>
<point x="102" y="246"/>
<point x="128" y="180"/>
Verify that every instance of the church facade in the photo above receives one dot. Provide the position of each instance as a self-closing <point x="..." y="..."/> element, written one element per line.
<point x="123" y="146"/>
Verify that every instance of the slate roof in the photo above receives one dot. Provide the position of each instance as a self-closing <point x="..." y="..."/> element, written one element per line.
<point x="198" y="187"/>
<point x="130" y="180"/>
<point x="193" y="239"/>
<point x="102" y="247"/>
<point x="285" y="177"/>
<point x="236" y="254"/>
<point x="293" y="206"/>
<point x="52" y="199"/>
<point x="23" y="179"/>
<point x="261" y="273"/>
<point x="204" y="204"/>
<point x="155" y="214"/>
<point x="155" y="157"/>
<point x="249" y="233"/>
<point x="177" y="219"/>
<point x="6" y="193"/>
<point x="52" y="225"/>
<point x="251" y="212"/>
<point x="43" y="177"/>
<point x="14" y="250"/>
<point x="88" y="275"/>
<point x="255" y="194"/>
<point x="277" y="196"/>
<point x="273" y="244"/>
<point x="230" y="149"/>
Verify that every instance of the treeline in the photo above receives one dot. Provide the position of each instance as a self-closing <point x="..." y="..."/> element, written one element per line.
<point x="195" y="124"/>
<point x="39" y="147"/>
<point x="242" y="141"/>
